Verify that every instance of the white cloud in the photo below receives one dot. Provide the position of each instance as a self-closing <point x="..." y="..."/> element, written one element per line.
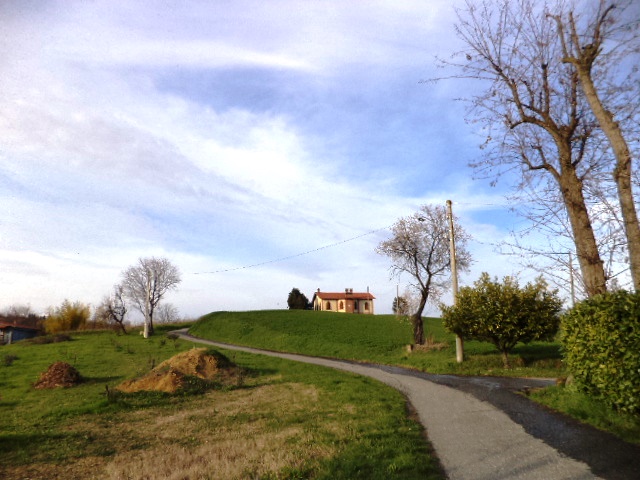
<point x="99" y="166"/>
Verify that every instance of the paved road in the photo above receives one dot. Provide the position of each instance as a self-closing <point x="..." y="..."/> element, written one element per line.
<point x="482" y="430"/>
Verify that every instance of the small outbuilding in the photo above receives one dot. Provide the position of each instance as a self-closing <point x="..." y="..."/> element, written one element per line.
<point x="11" y="331"/>
<point x="346" y="302"/>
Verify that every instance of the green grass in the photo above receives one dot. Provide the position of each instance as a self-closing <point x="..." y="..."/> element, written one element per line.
<point x="590" y="411"/>
<point x="383" y="339"/>
<point x="377" y="439"/>
<point x="372" y="338"/>
<point x="337" y="425"/>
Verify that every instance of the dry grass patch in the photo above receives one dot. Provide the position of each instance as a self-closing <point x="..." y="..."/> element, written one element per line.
<point x="172" y="374"/>
<point x="244" y="433"/>
<point x="237" y="435"/>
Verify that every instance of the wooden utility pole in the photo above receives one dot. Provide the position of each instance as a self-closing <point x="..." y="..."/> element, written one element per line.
<point x="454" y="278"/>
<point x="573" y="286"/>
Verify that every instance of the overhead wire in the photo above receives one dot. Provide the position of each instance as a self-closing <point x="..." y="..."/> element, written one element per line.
<point x="289" y="257"/>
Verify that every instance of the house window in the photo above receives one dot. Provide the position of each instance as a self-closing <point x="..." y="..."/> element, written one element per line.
<point x="328" y="306"/>
<point x="341" y="306"/>
<point x="366" y="306"/>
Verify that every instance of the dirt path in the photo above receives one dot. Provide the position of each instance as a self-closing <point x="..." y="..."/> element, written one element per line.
<point x="481" y="429"/>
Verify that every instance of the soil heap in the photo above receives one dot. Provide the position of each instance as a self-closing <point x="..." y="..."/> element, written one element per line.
<point x="172" y="375"/>
<point x="59" y="374"/>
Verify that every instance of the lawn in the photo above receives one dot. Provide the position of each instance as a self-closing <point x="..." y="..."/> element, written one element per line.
<point x="282" y="420"/>
<point x="384" y="339"/>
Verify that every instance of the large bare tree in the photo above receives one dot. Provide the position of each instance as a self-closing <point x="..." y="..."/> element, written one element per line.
<point x="532" y="111"/>
<point x="146" y="283"/>
<point x="603" y="48"/>
<point x="419" y="247"/>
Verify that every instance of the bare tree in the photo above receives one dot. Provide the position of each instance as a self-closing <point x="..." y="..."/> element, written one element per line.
<point x="19" y="310"/>
<point x="532" y="111"/>
<point x="599" y="48"/>
<point x="113" y="309"/>
<point x="167" y="313"/>
<point x="146" y="283"/>
<point x="547" y="245"/>
<point x="419" y="247"/>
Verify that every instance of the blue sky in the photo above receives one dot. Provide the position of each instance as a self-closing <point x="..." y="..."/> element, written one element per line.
<point x="226" y="134"/>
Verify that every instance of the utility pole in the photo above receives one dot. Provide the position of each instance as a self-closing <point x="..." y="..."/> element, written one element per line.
<point x="454" y="278"/>
<point x="573" y="286"/>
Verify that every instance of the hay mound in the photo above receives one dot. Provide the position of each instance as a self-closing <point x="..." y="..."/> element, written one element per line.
<point x="172" y="375"/>
<point x="59" y="374"/>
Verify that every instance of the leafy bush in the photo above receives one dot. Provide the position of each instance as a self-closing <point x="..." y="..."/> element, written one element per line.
<point x="601" y="344"/>
<point x="503" y="313"/>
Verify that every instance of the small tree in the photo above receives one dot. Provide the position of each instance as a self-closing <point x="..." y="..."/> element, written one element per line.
<point x="68" y="316"/>
<point x="167" y="313"/>
<point x="503" y="313"/>
<point x="113" y="309"/>
<point x="419" y="247"/>
<point x="400" y="306"/>
<point x="297" y="300"/>
<point x="146" y="283"/>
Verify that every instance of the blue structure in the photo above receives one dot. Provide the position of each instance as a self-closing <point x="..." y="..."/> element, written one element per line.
<point x="13" y="331"/>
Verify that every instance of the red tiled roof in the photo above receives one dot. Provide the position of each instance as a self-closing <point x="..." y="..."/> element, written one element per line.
<point x="344" y="295"/>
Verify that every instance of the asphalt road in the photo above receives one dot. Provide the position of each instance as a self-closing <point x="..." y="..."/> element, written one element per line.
<point x="482" y="429"/>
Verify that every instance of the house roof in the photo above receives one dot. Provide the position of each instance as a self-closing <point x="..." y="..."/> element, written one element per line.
<point x="5" y="324"/>
<point x="344" y="295"/>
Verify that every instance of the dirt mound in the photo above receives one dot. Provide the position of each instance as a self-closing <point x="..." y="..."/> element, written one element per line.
<point x="59" y="374"/>
<point x="173" y="374"/>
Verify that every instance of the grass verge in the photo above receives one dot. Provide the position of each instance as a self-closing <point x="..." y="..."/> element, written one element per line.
<point x="284" y="421"/>
<point x="588" y="410"/>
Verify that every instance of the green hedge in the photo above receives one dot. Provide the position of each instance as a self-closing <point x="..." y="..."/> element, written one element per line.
<point x="601" y="343"/>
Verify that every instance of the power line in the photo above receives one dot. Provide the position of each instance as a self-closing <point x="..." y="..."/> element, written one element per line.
<point x="244" y="267"/>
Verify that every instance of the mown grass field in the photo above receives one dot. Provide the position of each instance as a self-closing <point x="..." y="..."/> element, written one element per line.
<point x="373" y="338"/>
<point x="383" y="339"/>
<point x="281" y="420"/>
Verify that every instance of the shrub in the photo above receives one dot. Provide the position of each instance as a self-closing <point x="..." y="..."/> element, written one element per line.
<point x="68" y="316"/>
<point x="601" y="345"/>
<point x="503" y="313"/>
<point x="9" y="359"/>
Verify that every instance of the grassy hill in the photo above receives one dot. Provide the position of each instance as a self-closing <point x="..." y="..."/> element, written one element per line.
<point x="372" y="338"/>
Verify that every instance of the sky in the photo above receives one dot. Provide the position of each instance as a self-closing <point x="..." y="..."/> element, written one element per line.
<point x="231" y="137"/>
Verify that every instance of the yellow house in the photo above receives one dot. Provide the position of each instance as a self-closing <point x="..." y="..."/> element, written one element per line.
<point x="347" y="301"/>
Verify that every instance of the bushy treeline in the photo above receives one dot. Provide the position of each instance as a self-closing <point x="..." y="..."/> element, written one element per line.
<point x="70" y="316"/>
<point x="601" y="344"/>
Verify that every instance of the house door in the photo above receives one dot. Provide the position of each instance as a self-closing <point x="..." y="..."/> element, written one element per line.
<point x="349" y="306"/>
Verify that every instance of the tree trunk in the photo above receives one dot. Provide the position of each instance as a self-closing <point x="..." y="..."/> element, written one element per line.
<point x="591" y="265"/>
<point x="621" y="174"/>
<point x="416" y="318"/>
<point x="147" y="310"/>
<point x="505" y="359"/>
<point x="418" y="328"/>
